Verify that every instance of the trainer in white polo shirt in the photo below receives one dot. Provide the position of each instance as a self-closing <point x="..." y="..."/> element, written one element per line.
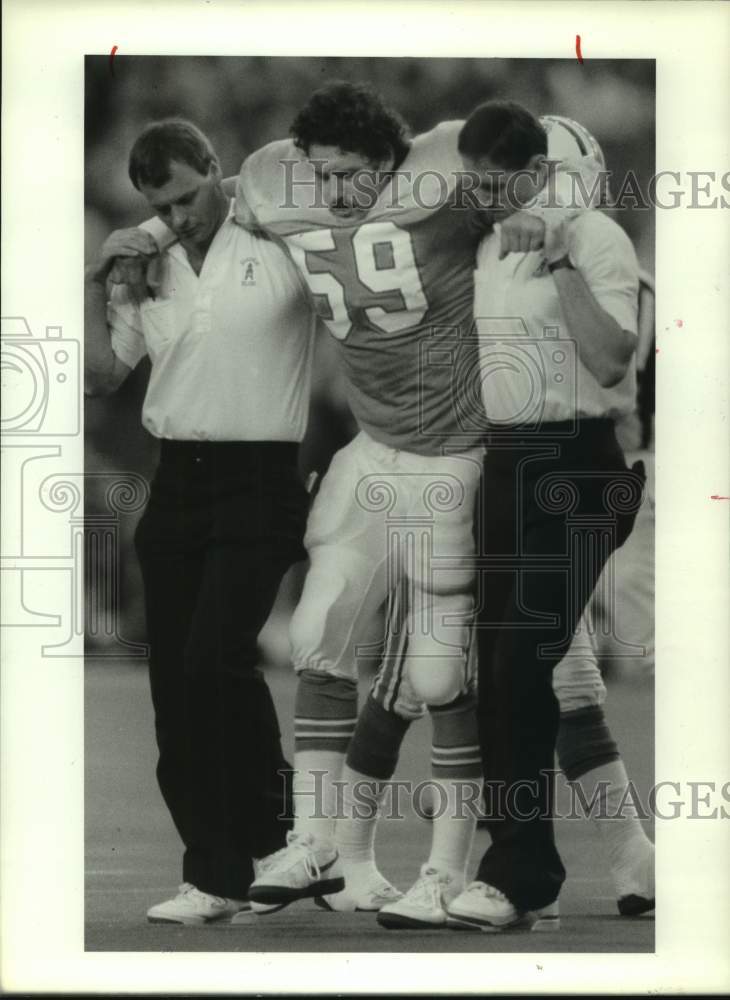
<point x="533" y="366"/>
<point x="557" y="331"/>
<point x="230" y="347"/>
<point x="229" y="335"/>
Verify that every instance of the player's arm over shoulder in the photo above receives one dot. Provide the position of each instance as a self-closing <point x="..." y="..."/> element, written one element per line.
<point x="438" y="149"/>
<point x="448" y="131"/>
<point x="159" y="232"/>
<point x="263" y="173"/>
<point x="604" y="254"/>
<point x="140" y="274"/>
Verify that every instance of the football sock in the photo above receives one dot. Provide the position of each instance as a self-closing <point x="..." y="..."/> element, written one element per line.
<point x="371" y="760"/>
<point x="589" y="757"/>
<point x="630" y="851"/>
<point x="357" y="817"/>
<point x="456" y="770"/>
<point x="584" y="742"/>
<point x="315" y="772"/>
<point x="454" y="824"/>
<point x="325" y="716"/>
<point x="376" y="742"/>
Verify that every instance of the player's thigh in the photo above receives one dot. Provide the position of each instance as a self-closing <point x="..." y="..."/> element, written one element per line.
<point x="391" y="687"/>
<point x="441" y="595"/>
<point x="346" y="581"/>
<point x="330" y="627"/>
<point x="443" y="545"/>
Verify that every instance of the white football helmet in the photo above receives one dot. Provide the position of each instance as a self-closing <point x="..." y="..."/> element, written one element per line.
<point x="570" y="141"/>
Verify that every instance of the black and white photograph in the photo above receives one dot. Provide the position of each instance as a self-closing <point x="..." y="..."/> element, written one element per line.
<point x="384" y="377"/>
<point x="367" y="507"/>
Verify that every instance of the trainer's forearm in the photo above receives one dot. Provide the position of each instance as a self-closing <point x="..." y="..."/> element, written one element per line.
<point x="100" y="362"/>
<point x="603" y="347"/>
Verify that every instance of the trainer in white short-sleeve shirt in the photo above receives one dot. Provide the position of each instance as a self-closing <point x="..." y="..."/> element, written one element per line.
<point x="529" y="366"/>
<point x="231" y="348"/>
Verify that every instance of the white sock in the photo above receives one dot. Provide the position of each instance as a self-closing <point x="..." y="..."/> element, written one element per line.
<point x="315" y="794"/>
<point x="630" y="851"/>
<point x="356" y="827"/>
<point x="454" y="823"/>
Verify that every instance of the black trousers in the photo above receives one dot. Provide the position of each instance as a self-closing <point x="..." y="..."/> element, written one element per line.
<point x="552" y="509"/>
<point x="224" y="522"/>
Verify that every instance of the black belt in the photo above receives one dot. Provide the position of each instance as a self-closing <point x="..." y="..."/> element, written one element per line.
<point x="226" y="453"/>
<point x="557" y="429"/>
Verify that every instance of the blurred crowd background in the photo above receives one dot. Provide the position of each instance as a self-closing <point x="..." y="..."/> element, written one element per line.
<point x="243" y="103"/>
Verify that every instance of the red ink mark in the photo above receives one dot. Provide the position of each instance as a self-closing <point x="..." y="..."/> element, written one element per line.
<point x="657" y="350"/>
<point x="577" y="49"/>
<point x="716" y="497"/>
<point x="679" y="323"/>
<point x="111" y="59"/>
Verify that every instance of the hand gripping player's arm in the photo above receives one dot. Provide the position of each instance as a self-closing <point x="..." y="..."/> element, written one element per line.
<point x="533" y="227"/>
<point x="104" y="371"/>
<point x="136" y="272"/>
<point x="577" y="181"/>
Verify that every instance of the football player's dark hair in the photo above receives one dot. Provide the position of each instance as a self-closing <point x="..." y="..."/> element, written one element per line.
<point x="354" y="118"/>
<point x="159" y="143"/>
<point x="505" y="132"/>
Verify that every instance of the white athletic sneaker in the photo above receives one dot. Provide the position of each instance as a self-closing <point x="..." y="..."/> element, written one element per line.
<point x="424" y="905"/>
<point x="307" y="866"/>
<point x="634" y="882"/>
<point x="365" y="898"/>
<point x="545" y="919"/>
<point x="191" y="906"/>
<point x="484" y="907"/>
<point x="248" y="916"/>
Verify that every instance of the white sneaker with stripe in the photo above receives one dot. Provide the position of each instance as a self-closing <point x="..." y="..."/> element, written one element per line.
<point x="482" y="907"/>
<point x="191" y="906"/>
<point x="424" y="905"/>
<point x="307" y="866"/>
<point x="367" y="898"/>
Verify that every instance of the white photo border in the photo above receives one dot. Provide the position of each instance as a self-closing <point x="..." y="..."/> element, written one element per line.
<point x="41" y="848"/>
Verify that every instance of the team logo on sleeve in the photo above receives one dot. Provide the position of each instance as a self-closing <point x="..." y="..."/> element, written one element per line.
<point x="249" y="270"/>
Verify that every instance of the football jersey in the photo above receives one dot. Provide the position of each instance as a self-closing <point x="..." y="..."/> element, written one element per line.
<point x="394" y="289"/>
